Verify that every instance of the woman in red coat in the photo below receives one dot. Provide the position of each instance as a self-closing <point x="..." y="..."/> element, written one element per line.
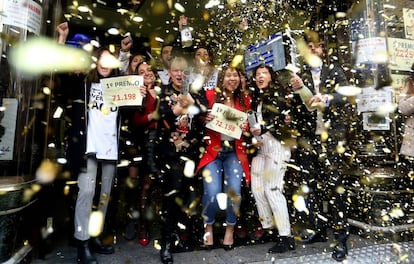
<point x="224" y="162"/>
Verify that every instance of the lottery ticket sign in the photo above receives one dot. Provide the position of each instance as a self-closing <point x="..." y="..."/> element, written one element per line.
<point x="123" y="90"/>
<point x="24" y="14"/>
<point x="401" y="53"/>
<point x="227" y="120"/>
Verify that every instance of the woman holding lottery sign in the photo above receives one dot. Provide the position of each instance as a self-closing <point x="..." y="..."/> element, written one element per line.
<point x="141" y="134"/>
<point x="92" y="147"/>
<point x="224" y="162"/>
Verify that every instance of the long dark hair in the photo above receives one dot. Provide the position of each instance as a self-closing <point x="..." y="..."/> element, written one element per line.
<point x="131" y="58"/>
<point x="209" y="51"/>
<point x="157" y="81"/>
<point x="237" y="94"/>
<point x="258" y="93"/>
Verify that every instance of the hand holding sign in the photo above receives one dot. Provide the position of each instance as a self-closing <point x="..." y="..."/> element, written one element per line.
<point x="227" y="120"/>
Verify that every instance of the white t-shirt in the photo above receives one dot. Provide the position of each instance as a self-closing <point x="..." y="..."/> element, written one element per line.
<point x="102" y="136"/>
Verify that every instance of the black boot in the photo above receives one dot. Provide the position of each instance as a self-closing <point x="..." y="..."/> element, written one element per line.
<point x="98" y="247"/>
<point x="318" y="236"/>
<point x="130" y="230"/>
<point x="179" y="244"/>
<point x="284" y="244"/>
<point x="340" y="250"/>
<point x="165" y="252"/>
<point x="84" y="254"/>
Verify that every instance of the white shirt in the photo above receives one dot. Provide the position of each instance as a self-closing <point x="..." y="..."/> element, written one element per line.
<point x="164" y="76"/>
<point x="102" y="136"/>
<point x="320" y="126"/>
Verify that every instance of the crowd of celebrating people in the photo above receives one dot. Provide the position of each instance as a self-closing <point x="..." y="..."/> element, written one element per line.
<point x="208" y="139"/>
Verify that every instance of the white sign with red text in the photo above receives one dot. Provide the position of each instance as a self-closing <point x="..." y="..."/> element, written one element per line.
<point x="227" y="120"/>
<point x="401" y="52"/>
<point x="23" y="14"/>
<point x="123" y="90"/>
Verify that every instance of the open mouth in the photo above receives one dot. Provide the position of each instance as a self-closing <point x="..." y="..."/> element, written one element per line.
<point x="261" y="83"/>
<point x="233" y="84"/>
<point x="204" y="62"/>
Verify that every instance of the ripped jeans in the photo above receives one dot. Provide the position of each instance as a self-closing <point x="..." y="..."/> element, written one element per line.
<point x="224" y="174"/>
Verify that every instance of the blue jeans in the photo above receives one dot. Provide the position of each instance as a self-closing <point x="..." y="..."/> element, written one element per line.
<point x="228" y="166"/>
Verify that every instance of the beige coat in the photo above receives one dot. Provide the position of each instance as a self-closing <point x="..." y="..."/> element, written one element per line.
<point x="406" y="107"/>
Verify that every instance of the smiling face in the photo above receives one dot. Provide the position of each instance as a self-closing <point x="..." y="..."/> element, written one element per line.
<point x="176" y="72"/>
<point x="263" y="77"/>
<point x="146" y="71"/>
<point x="231" y="80"/>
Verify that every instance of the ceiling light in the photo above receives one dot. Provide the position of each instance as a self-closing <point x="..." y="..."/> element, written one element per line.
<point x="113" y="31"/>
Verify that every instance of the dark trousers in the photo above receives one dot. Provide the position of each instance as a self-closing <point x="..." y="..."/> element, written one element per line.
<point x="177" y="194"/>
<point x="322" y="171"/>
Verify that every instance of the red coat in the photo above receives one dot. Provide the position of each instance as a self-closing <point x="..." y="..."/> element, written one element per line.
<point x="140" y="118"/>
<point x="213" y="145"/>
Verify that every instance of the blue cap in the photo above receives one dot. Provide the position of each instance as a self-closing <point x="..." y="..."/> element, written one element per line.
<point x="78" y="39"/>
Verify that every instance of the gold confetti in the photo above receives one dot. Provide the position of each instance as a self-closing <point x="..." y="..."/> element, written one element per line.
<point x="189" y="168"/>
<point x="95" y="223"/>
<point x="47" y="171"/>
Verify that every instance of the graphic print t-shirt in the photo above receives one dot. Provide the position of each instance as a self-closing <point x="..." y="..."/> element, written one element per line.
<point x="102" y="126"/>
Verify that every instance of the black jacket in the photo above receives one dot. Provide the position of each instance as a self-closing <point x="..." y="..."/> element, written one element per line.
<point x="277" y="103"/>
<point x="335" y="112"/>
<point x="168" y="126"/>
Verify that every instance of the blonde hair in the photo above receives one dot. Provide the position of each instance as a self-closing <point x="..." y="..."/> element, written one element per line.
<point x="178" y="63"/>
